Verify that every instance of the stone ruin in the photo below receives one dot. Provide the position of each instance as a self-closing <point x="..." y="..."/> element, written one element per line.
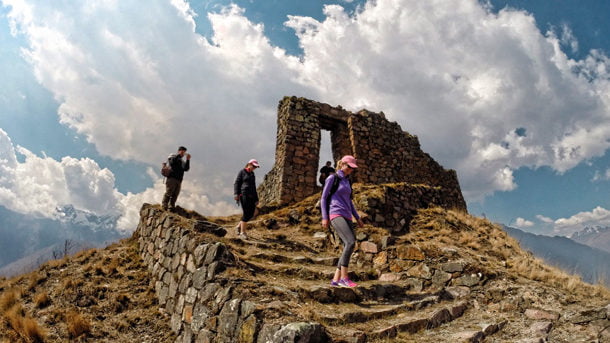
<point x="385" y="153"/>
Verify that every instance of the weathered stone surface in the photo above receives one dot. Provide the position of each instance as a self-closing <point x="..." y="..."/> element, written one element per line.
<point x="541" y="328"/>
<point x="398" y="266"/>
<point x="440" y="278"/>
<point x="469" y="280"/>
<point x="320" y="234"/>
<point x="201" y="313"/>
<point x="458" y="309"/>
<point x="540" y="314"/>
<point x="589" y="316"/>
<point x="438" y="318"/>
<point x="389" y="277"/>
<point x="205" y="226"/>
<point x="247" y="331"/>
<point x="387" y="241"/>
<point x="368" y="247"/>
<point x="420" y="271"/>
<point x="468" y="336"/>
<point x="455" y="266"/>
<point x="457" y="292"/>
<point x="227" y="319"/>
<point x="413" y="325"/>
<point x="410" y="252"/>
<point x="380" y="259"/>
<point x="300" y="333"/>
<point x="361" y="236"/>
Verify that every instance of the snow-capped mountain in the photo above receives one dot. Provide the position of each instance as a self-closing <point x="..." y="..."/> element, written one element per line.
<point x="597" y="237"/>
<point x="24" y="237"/>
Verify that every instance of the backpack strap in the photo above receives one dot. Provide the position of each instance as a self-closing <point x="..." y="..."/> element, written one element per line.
<point x="333" y="190"/>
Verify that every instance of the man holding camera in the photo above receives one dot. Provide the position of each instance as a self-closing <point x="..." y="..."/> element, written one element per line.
<point x="174" y="180"/>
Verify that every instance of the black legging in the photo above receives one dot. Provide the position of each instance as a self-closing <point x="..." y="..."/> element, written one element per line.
<point x="248" y="205"/>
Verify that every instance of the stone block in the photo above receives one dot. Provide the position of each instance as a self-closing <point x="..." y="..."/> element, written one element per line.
<point x="381" y="259"/>
<point x="454" y="266"/>
<point x="540" y="314"/>
<point x="368" y="247"/>
<point x="389" y="277"/>
<point x="410" y="252"/>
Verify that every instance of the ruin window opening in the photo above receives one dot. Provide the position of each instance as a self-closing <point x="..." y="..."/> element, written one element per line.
<point x="325" y="154"/>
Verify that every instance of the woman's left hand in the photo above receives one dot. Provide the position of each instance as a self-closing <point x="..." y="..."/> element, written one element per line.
<point x="360" y="222"/>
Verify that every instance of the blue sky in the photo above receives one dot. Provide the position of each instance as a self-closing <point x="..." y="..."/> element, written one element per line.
<point x="512" y="94"/>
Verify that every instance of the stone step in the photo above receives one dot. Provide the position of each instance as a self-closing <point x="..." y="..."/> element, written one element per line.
<point x="461" y="332"/>
<point x="338" y="314"/>
<point x="301" y="271"/>
<point x="280" y="245"/>
<point x="404" y="323"/>
<point x="368" y="291"/>
<point x="295" y="258"/>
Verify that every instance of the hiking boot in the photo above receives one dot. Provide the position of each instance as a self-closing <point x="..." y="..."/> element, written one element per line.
<point x="347" y="283"/>
<point x="242" y="236"/>
<point x="334" y="283"/>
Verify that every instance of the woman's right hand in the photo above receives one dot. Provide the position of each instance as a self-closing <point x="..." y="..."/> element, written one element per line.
<point x="325" y="223"/>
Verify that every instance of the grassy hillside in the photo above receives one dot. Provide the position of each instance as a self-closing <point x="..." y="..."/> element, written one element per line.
<point x="468" y="279"/>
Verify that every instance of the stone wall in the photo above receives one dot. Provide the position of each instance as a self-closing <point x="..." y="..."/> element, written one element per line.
<point x="385" y="153"/>
<point x="392" y="206"/>
<point x="190" y="273"/>
<point x="185" y="274"/>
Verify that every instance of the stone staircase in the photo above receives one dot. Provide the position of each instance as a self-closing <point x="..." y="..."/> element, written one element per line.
<point x="298" y="275"/>
<point x="453" y="278"/>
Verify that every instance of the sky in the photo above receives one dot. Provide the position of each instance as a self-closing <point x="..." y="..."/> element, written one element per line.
<point x="512" y="94"/>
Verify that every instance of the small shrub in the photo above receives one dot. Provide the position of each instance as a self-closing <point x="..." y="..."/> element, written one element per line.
<point x="8" y="299"/>
<point x="77" y="324"/>
<point x="42" y="300"/>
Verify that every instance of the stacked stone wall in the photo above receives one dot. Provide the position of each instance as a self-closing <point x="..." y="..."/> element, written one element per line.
<point x="385" y="152"/>
<point x="185" y="271"/>
<point x="396" y="204"/>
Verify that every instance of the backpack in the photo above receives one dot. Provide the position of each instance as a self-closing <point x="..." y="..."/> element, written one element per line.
<point x="166" y="167"/>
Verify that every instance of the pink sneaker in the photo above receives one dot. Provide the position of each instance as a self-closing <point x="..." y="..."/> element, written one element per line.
<point x="347" y="283"/>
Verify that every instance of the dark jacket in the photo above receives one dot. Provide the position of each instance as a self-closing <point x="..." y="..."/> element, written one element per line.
<point x="179" y="166"/>
<point x="245" y="184"/>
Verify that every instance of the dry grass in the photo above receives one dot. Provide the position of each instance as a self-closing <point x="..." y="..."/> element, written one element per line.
<point x="42" y="300"/>
<point x="77" y="324"/>
<point x="26" y="327"/>
<point x="476" y="235"/>
<point x="8" y="299"/>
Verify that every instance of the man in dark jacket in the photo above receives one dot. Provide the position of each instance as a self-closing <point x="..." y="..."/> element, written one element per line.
<point x="174" y="180"/>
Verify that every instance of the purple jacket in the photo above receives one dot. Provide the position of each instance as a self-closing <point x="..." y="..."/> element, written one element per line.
<point x="341" y="202"/>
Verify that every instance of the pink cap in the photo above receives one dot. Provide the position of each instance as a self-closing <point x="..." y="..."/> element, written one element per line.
<point x="350" y="160"/>
<point x="254" y="163"/>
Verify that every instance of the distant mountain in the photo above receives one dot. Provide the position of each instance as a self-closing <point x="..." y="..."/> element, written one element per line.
<point x="580" y="259"/>
<point x="33" y="241"/>
<point x="596" y="237"/>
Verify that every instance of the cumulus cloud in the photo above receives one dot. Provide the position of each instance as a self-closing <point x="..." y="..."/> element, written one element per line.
<point x="486" y="93"/>
<point x="522" y="223"/>
<point x="599" y="216"/>
<point x="38" y="186"/>
<point x="544" y="219"/>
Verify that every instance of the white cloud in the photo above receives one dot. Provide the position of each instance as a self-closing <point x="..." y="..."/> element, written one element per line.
<point x="605" y="176"/>
<point x="599" y="216"/>
<point x="39" y="185"/>
<point x="523" y="223"/>
<point x="544" y="219"/>
<point x="460" y="77"/>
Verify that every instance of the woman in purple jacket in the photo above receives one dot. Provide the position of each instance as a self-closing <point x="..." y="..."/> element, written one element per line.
<point x="339" y="210"/>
